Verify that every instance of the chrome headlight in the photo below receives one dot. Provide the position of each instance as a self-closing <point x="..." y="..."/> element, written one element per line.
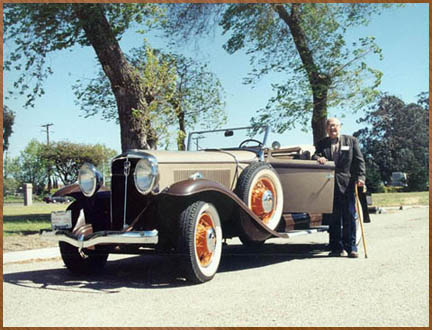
<point x="146" y="174"/>
<point x="90" y="180"/>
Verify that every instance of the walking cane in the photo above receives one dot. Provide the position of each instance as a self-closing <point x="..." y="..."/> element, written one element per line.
<point x="360" y="218"/>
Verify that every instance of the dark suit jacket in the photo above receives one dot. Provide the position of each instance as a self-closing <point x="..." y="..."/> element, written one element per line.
<point x="350" y="166"/>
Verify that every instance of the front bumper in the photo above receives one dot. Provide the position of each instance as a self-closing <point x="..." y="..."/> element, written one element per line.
<point x="102" y="237"/>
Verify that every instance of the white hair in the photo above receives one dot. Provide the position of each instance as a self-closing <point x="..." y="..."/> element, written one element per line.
<point x="333" y="119"/>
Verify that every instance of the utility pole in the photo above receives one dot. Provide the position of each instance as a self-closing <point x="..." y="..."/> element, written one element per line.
<point x="199" y="137"/>
<point x="47" y="127"/>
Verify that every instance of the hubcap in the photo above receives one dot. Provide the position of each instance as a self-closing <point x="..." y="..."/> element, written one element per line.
<point x="267" y="201"/>
<point x="263" y="196"/>
<point x="211" y="240"/>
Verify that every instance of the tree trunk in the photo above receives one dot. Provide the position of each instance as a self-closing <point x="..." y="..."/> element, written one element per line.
<point x="180" y="114"/>
<point x="319" y="116"/>
<point x="131" y="98"/>
<point x="319" y="82"/>
<point x="182" y="130"/>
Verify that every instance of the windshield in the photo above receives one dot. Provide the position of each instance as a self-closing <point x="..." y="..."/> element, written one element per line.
<point x="230" y="138"/>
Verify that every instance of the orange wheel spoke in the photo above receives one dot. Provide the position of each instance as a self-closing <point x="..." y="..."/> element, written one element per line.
<point x="204" y="226"/>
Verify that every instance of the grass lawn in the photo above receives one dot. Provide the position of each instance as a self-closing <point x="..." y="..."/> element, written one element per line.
<point x="400" y="198"/>
<point x="25" y="220"/>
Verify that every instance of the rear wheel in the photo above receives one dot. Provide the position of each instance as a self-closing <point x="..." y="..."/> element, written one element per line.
<point x="200" y="241"/>
<point x="84" y="262"/>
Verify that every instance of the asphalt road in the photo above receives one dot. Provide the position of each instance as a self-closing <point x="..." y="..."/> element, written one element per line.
<point x="286" y="283"/>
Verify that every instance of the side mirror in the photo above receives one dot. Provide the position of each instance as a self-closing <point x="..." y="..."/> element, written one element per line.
<point x="276" y="145"/>
<point x="228" y="133"/>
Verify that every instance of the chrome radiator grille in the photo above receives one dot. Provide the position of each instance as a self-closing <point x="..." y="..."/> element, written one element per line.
<point x="118" y="194"/>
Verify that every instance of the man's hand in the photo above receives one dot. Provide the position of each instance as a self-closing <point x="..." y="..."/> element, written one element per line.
<point x="322" y="160"/>
<point x="361" y="185"/>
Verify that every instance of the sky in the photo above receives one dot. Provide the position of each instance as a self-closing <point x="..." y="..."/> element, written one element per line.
<point x="402" y="33"/>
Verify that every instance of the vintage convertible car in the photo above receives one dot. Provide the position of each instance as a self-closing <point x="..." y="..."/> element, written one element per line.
<point x="187" y="202"/>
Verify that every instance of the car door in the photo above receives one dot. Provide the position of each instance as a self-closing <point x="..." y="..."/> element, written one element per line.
<point x="307" y="185"/>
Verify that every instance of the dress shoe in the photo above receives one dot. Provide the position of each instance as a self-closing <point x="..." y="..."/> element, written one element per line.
<point x="353" y="254"/>
<point x="342" y="253"/>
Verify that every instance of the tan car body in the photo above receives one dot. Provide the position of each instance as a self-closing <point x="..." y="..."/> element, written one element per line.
<point x="307" y="185"/>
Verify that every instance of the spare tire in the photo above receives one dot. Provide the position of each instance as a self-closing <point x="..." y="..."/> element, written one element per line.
<point x="260" y="189"/>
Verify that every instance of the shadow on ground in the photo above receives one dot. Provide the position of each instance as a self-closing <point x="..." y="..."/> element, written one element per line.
<point x="159" y="271"/>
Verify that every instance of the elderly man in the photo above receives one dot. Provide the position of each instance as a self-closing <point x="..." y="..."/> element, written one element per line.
<point x="350" y="170"/>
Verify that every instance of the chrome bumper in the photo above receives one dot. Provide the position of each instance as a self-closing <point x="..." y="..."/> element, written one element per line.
<point x="102" y="237"/>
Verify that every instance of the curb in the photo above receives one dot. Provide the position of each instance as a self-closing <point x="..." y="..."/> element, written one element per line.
<point x="47" y="253"/>
<point x="401" y="207"/>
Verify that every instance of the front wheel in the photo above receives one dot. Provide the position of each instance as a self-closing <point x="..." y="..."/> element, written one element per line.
<point x="88" y="261"/>
<point x="200" y="241"/>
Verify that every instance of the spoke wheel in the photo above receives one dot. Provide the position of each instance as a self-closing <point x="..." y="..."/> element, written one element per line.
<point x="200" y="241"/>
<point x="260" y="188"/>
<point x="262" y="197"/>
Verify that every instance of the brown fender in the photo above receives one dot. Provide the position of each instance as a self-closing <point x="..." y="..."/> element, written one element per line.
<point x="74" y="191"/>
<point x="256" y="228"/>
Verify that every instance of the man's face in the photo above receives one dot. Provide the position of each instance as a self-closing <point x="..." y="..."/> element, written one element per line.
<point x="333" y="129"/>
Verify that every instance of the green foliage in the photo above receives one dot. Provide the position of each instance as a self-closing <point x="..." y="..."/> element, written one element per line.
<point x="8" y="121"/>
<point x="392" y="189"/>
<point x="275" y="46"/>
<point x="417" y="179"/>
<point x="30" y="167"/>
<point x="396" y="139"/>
<point x="184" y="94"/>
<point x="374" y="182"/>
<point x="32" y="31"/>
<point x="68" y="157"/>
<point x="10" y="186"/>
<point x="63" y="158"/>
<point x="303" y="42"/>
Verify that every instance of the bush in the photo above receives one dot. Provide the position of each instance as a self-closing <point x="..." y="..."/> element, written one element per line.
<point x="417" y="180"/>
<point x="393" y="189"/>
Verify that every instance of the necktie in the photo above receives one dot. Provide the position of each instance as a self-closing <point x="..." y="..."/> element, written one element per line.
<point x="335" y="151"/>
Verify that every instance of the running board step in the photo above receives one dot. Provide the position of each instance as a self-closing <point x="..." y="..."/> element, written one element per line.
<point x="299" y="232"/>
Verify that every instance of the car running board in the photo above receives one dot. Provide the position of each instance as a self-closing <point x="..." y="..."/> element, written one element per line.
<point x="312" y="230"/>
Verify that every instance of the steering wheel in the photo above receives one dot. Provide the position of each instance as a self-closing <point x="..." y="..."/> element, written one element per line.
<point x="242" y="145"/>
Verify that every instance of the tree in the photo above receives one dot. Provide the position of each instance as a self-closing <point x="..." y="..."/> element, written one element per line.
<point x="188" y="93"/>
<point x="8" y="122"/>
<point x="30" y="167"/>
<point x="396" y="139"/>
<point x="68" y="157"/>
<point x="39" y="29"/>
<point x="305" y="42"/>
<point x="10" y="186"/>
<point x="197" y="98"/>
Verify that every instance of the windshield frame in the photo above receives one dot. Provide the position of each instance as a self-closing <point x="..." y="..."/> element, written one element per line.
<point x="266" y="129"/>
